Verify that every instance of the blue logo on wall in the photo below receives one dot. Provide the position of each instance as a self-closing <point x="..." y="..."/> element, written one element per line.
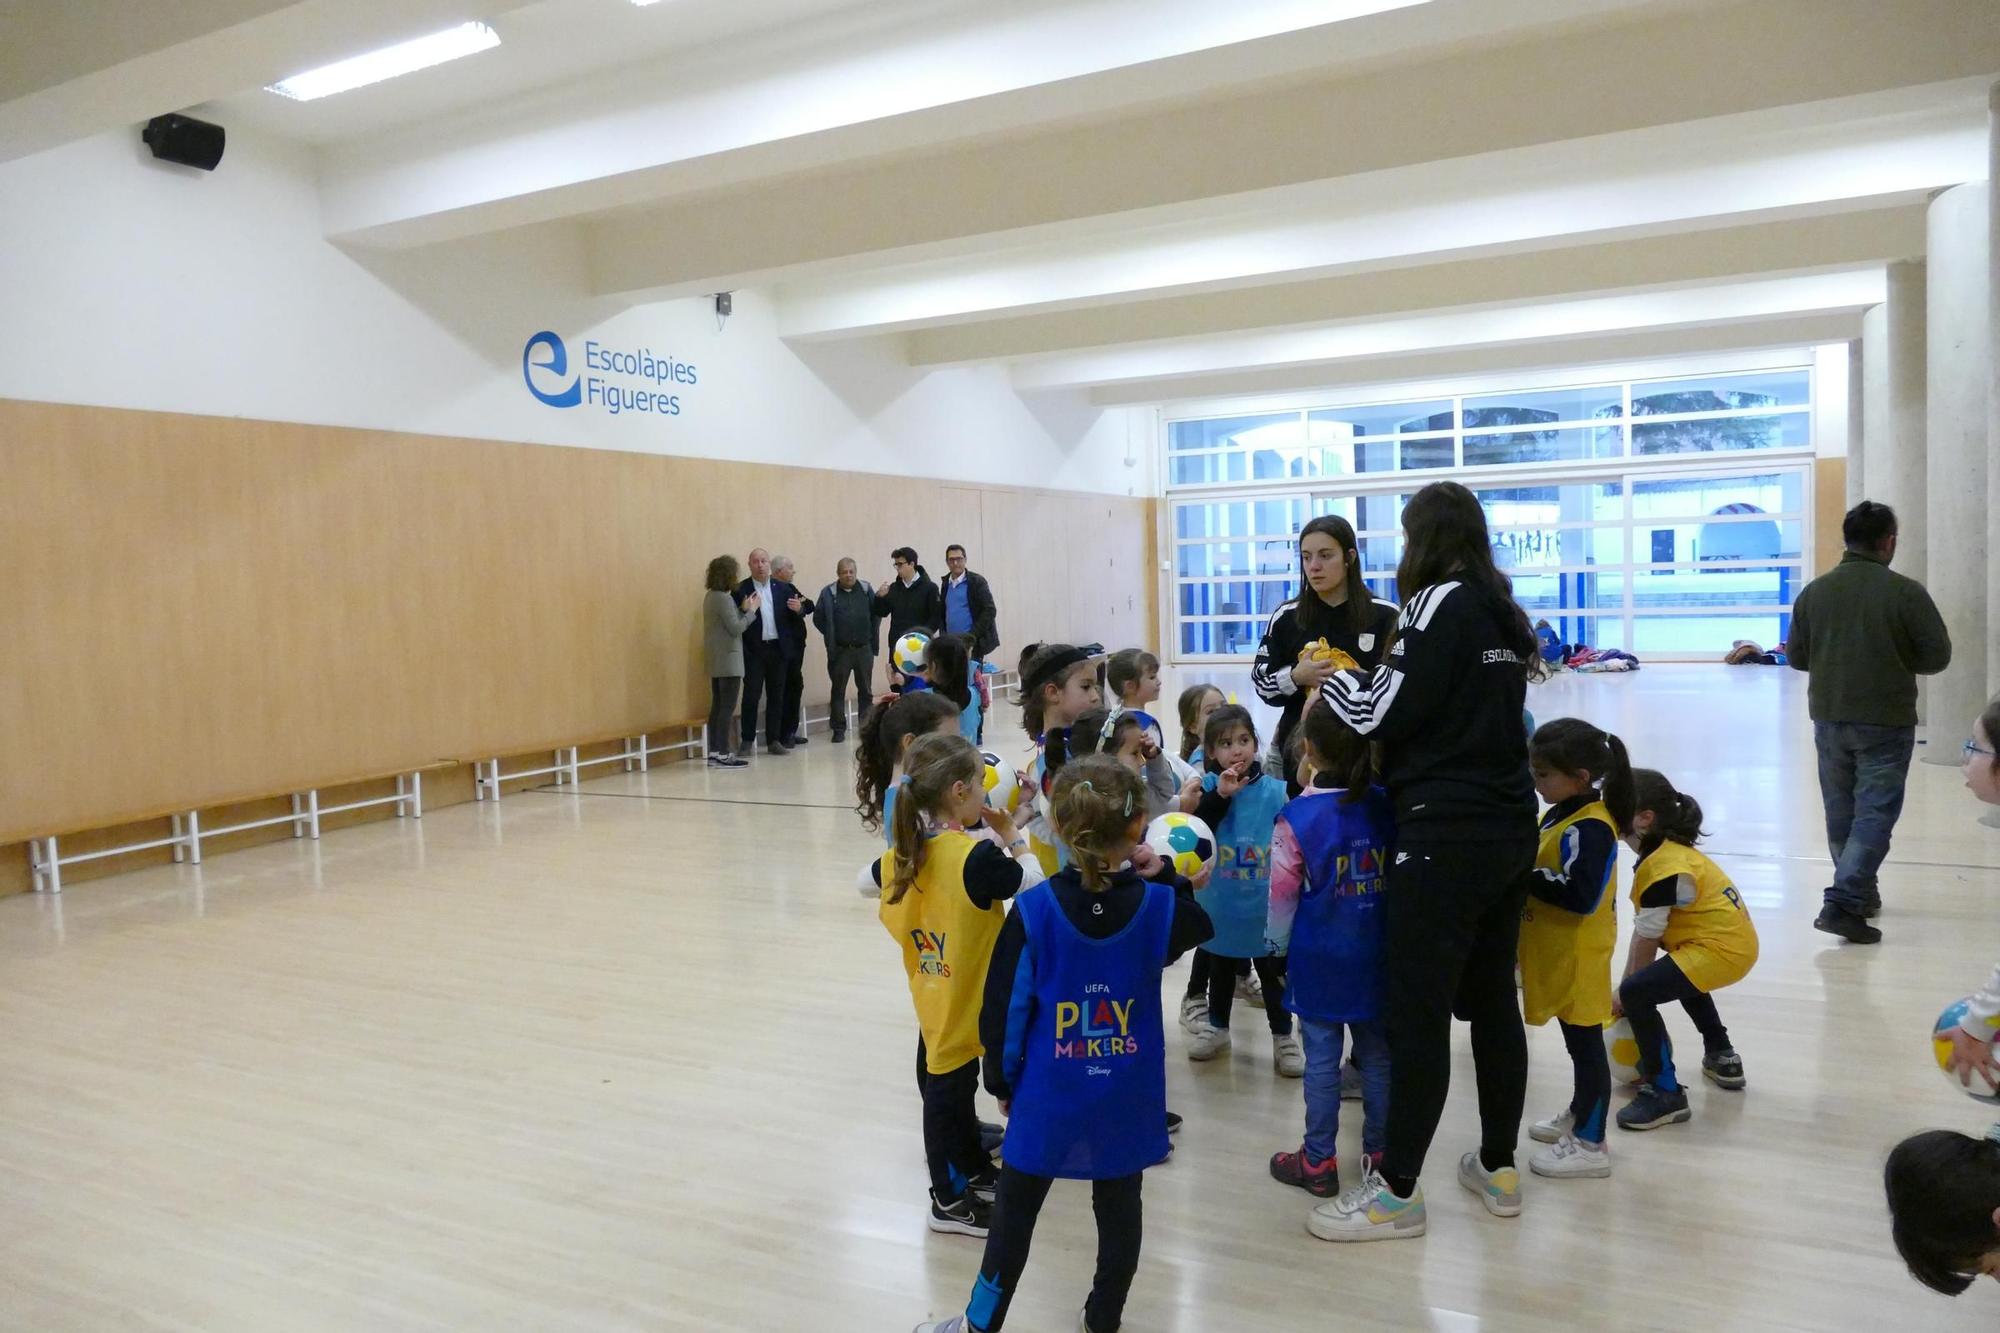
<point x="556" y="365"/>
<point x="613" y="380"/>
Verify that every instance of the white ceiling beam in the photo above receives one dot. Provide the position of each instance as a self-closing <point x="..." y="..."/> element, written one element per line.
<point x="1539" y="87"/>
<point x="910" y="77"/>
<point x="1839" y="292"/>
<point x="1865" y="151"/>
<point x="75" y="68"/>
<point x="1592" y="263"/>
<point x="1385" y="378"/>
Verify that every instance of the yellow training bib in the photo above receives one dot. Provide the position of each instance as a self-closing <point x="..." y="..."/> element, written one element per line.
<point x="1712" y="939"/>
<point x="1565" y="957"/>
<point x="947" y="945"/>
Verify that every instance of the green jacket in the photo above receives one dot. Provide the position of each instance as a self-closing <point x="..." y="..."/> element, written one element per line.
<point x="1865" y="633"/>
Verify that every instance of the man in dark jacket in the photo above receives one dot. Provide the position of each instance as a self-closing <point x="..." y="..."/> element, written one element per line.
<point x="965" y="605"/>
<point x="793" y="608"/>
<point x="1864" y="635"/>
<point x="845" y="616"/>
<point x="910" y="601"/>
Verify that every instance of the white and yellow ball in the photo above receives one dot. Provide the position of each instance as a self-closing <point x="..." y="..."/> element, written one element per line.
<point x="1183" y="842"/>
<point x="1003" y="788"/>
<point x="908" y="652"/>
<point x="1623" y="1048"/>
<point x="1941" y="1050"/>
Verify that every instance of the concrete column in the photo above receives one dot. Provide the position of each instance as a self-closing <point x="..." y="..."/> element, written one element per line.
<point x="1893" y="398"/>
<point x="1857" y="422"/>
<point x="1993" y="392"/>
<point x="1958" y="354"/>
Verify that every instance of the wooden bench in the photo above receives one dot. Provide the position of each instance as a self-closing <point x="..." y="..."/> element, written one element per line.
<point x="635" y="752"/>
<point x="46" y="859"/>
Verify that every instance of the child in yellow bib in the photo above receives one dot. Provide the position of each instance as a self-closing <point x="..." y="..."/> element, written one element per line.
<point x="1569" y="929"/>
<point x="942" y="896"/>
<point x="1687" y="907"/>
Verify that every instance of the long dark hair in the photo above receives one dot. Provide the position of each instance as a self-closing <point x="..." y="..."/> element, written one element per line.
<point x="948" y="667"/>
<point x="884" y="728"/>
<point x="1571" y="746"/>
<point x="937" y="763"/>
<point x="1221" y="720"/>
<point x="1676" y="815"/>
<point x="1347" y="757"/>
<point x="1445" y="539"/>
<point x="1190" y="707"/>
<point x="1943" y="1187"/>
<point x="1315" y="617"/>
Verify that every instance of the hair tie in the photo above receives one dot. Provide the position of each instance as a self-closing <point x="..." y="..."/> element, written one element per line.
<point x="1128" y="805"/>
<point x="1085" y="784"/>
<point x="1111" y="722"/>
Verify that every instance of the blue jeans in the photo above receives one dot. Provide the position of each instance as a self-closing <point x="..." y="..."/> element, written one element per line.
<point x="1323" y="1052"/>
<point x="1862" y="768"/>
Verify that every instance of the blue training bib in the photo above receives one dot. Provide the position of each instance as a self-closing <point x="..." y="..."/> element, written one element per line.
<point x="1334" y="972"/>
<point x="1090" y="1100"/>
<point x="1238" y="896"/>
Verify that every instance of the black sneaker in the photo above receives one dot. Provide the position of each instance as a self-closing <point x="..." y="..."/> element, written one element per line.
<point x="1653" y="1108"/>
<point x="795" y="741"/>
<point x="1724" y="1069"/>
<point x="963" y="1216"/>
<point x="775" y="748"/>
<point x="727" y="761"/>
<point x="1839" y="921"/>
<point x="1173" y="1123"/>
<point x="984" y="1185"/>
<point x="839" y="738"/>
<point x="1872" y="908"/>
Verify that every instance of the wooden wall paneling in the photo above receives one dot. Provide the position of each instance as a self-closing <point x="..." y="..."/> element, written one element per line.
<point x="203" y="609"/>
<point x="1829" y="508"/>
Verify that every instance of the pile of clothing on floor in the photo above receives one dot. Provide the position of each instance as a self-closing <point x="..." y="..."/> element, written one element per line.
<point x="1747" y="653"/>
<point x="1580" y="656"/>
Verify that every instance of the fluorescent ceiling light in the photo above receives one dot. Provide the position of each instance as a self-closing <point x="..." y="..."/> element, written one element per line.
<point x="403" y="58"/>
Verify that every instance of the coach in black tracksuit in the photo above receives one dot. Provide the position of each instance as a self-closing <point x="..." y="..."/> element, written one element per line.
<point x="1446" y="707"/>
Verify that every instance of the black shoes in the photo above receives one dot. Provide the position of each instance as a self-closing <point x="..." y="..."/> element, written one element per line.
<point x="1724" y="1069"/>
<point x="1850" y="927"/>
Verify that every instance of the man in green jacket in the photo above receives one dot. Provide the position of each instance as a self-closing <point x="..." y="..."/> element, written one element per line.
<point x="1864" y="635"/>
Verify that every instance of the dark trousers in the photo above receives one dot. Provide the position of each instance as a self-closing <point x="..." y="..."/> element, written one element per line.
<point x="722" y="712"/>
<point x="1662" y="982"/>
<point x="1017" y="1205"/>
<point x="1199" y="971"/>
<point x="1862" y="769"/>
<point x="1453" y="933"/>
<point x="951" y="1130"/>
<point x="763" y="682"/>
<point x="1222" y="992"/>
<point x="795" y="693"/>
<point x="1592" y="1063"/>
<point x="842" y="665"/>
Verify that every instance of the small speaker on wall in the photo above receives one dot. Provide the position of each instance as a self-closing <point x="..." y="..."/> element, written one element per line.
<point x="183" y="139"/>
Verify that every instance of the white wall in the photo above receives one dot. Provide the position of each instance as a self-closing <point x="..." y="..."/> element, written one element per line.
<point x="128" y="283"/>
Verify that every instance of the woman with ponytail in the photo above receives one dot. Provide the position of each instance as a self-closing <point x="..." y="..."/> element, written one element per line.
<point x="1569" y="929"/>
<point x="1692" y="936"/>
<point x="941" y="896"/>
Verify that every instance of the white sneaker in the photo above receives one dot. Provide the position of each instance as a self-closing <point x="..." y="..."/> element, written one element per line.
<point x="1250" y="990"/>
<point x="1208" y="1042"/>
<point x="1570" y="1157"/>
<point x="1499" y="1190"/>
<point x="955" y="1324"/>
<point x="1194" y="1014"/>
<point x="1291" y="1057"/>
<point x="1553" y="1130"/>
<point x="1369" y="1211"/>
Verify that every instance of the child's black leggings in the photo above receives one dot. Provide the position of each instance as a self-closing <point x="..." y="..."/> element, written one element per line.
<point x="1204" y="961"/>
<point x="1222" y="992"/>
<point x="1662" y="982"/>
<point x="1592" y="1064"/>
<point x="1016" y="1208"/>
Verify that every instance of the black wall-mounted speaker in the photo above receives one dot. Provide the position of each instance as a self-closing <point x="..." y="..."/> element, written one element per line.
<point x="183" y="139"/>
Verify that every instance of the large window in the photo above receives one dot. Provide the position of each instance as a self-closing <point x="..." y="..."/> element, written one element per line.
<point x="1604" y="512"/>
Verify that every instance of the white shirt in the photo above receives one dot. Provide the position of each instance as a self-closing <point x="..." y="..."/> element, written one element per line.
<point x="767" y="609"/>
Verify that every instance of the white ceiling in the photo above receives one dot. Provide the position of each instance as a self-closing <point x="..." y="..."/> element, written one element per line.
<point x="1129" y="197"/>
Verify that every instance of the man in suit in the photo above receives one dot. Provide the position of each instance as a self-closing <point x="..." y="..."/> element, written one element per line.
<point x="965" y="605"/>
<point x="793" y="608"/>
<point x="910" y="601"/>
<point x="763" y="658"/>
<point x="846" y="619"/>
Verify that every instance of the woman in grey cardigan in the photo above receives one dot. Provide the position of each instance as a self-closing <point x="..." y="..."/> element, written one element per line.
<point x="723" y="623"/>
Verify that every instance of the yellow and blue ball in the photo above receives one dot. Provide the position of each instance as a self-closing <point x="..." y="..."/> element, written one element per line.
<point x="908" y="652"/>
<point x="1941" y="1051"/>
<point x="1183" y="842"/>
<point x="1003" y="788"/>
<point x="1623" y="1048"/>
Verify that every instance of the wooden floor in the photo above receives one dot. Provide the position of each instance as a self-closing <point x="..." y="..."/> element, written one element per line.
<point x="639" y="1058"/>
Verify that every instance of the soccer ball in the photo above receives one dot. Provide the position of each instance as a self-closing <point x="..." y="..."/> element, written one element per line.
<point x="1623" y="1048"/>
<point x="1003" y="789"/>
<point x="908" y="654"/>
<point x="1183" y="842"/>
<point x="1941" y="1049"/>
